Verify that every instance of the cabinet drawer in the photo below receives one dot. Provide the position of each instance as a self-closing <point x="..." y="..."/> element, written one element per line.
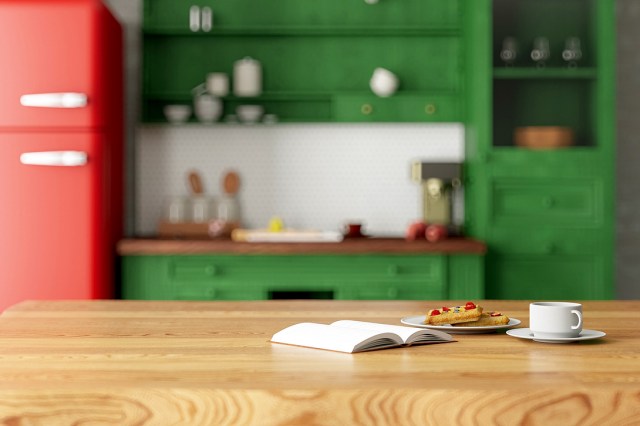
<point x="301" y="14"/>
<point x="393" y="291"/>
<point x="566" y="202"/>
<point x="547" y="277"/>
<point x="544" y="240"/>
<point x="399" y="108"/>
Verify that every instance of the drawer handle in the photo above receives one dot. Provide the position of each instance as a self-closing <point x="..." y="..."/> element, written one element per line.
<point x="430" y="109"/>
<point x="211" y="270"/>
<point x="393" y="270"/>
<point x="366" y="109"/>
<point x="548" y="202"/>
<point x="392" y="293"/>
<point x="371" y="1"/>
<point x="551" y="248"/>
<point x="212" y="293"/>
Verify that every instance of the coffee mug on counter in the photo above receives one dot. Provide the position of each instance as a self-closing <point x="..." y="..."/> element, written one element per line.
<point x="555" y="319"/>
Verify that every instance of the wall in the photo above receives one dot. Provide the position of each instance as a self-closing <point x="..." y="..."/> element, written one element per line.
<point x="158" y="174"/>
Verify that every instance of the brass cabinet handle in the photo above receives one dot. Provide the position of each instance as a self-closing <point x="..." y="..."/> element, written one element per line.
<point x="366" y="109"/>
<point x="430" y="109"/>
<point x="211" y="270"/>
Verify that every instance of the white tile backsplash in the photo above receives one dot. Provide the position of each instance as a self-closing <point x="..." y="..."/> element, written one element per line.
<point x="311" y="175"/>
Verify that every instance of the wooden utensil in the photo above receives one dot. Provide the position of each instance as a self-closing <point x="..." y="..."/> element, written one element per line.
<point x="231" y="183"/>
<point x="195" y="183"/>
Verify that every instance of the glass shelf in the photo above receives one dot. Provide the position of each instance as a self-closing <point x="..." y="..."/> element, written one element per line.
<point x="544" y="73"/>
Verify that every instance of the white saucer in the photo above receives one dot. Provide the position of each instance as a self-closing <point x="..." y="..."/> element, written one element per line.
<point x="525" y="333"/>
<point x="418" y="321"/>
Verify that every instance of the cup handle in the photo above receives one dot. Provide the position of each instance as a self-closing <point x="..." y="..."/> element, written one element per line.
<point x="579" y="314"/>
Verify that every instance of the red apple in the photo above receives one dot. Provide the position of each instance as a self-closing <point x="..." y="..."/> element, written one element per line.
<point x="435" y="233"/>
<point x="416" y="231"/>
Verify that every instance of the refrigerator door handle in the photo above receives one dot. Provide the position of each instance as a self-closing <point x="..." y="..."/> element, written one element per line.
<point x="54" y="100"/>
<point x="54" y="158"/>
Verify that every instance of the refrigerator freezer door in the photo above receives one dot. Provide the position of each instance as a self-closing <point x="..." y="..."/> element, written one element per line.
<point x="55" y="58"/>
<point x="54" y="237"/>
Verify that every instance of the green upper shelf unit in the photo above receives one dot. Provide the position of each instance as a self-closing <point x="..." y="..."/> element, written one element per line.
<point x="317" y="57"/>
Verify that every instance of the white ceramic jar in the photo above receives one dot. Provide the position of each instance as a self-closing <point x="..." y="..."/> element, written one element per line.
<point x="247" y="77"/>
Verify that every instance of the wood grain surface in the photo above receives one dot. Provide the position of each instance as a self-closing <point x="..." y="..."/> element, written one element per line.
<point x="210" y="363"/>
<point x="348" y="246"/>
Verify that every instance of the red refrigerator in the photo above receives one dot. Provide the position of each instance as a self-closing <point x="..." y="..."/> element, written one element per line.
<point x="61" y="148"/>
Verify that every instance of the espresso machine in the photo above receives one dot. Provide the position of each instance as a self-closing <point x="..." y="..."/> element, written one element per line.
<point x="442" y="196"/>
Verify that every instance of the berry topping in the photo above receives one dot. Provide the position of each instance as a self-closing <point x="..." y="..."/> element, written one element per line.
<point x="434" y="312"/>
<point x="445" y="309"/>
<point x="470" y="305"/>
<point x="495" y="314"/>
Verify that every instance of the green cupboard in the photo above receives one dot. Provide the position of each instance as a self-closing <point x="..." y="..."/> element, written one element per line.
<point x="547" y="215"/>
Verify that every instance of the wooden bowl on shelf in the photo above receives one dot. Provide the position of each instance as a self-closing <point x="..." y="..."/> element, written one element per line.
<point x="543" y="137"/>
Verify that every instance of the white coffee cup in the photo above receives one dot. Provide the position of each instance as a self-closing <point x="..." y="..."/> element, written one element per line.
<point x="218" y="84"/>
<point x="555" y="319"/>
<point x="383" y="83"/>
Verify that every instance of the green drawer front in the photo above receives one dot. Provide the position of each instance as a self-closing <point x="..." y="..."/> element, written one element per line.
<point x="547" y="277"/>
<point x="547" y="241"/>
<point x="295" y="14"/>
<point x="302" y="269"/>
<point x="400" y="108"/>
<point x="393" y="291"/>
<point x="566" y="202"/>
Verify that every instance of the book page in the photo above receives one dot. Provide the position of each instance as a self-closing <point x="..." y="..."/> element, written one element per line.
<point x="408" y="334"/>
<point x="342" y="339"/>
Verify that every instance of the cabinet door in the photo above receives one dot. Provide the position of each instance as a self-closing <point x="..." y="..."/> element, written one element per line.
<point x="304" y="15"/>
<point x="544" y="277"/>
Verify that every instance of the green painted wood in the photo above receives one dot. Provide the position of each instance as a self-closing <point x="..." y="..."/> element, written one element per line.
<point x="314" y="55"/>
<point x="258" y="277"/>
<point x="465" y="277"/>
<point x="249" y="14"/>
<point x="547" y="216"/>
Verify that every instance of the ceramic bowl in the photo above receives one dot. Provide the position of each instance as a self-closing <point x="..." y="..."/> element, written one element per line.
<point x="177" y="113"/>
<point x="250" y="113"/>
<point x="543" y="137"/>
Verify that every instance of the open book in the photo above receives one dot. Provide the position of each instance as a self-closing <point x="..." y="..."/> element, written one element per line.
<point x="357" y="336"/>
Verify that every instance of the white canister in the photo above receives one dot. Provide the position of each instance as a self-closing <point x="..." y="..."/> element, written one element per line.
<point x="247" y="77"/>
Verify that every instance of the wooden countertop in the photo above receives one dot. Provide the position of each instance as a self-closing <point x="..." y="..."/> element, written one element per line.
<point x="129" y="247"/>
<point x="143" y="362"/>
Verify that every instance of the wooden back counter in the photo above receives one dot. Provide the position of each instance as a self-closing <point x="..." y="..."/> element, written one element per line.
<point x="211" y="363"/>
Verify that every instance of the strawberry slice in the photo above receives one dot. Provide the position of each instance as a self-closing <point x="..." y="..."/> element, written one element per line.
<point x="434" y="312"/>
<point x="469" y="306"/>
<point x="445" y="309"/>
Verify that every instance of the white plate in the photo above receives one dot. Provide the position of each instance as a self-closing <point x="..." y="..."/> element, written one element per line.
<point x="418" y="321"/>
<point x="525" y="333"/>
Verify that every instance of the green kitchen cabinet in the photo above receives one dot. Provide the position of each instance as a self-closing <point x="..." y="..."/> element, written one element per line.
<point x="546" y="214"/>
<point x="300" y="15"/>
<point x="317" y="57"/>
<point x="260" y="277"/>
